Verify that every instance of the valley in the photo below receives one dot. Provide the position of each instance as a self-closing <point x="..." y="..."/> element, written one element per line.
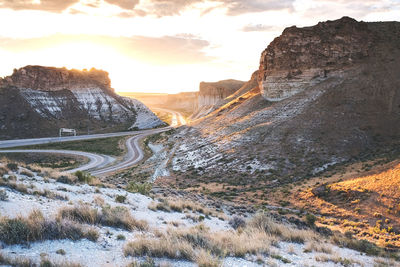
<point x="299" y="166"/>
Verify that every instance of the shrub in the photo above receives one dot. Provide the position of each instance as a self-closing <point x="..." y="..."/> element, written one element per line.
<point x="12" y="166"/>
<point x="121" y="237"/>
<point x="149" y="262"/>
<point x="61" y="251"/>
<point x="27" y="173"/>
<point x="310" y="219"/>
<point x="3" y="195"/>
<point x="3" y="171"/>
<point x="84" y="177"/>
<point x="120" y="198"/>
<point x="359" y="245"/>
<point x="141" y="188"/>
<point x="119" y="217"/>
<point x="65" y="179"/>
<point x="237" y="222"/>
<point x="81" y="213"/>
<point x="206" y="259"/>
<point x="159" y="248"/>
<point x="36" y="228"/>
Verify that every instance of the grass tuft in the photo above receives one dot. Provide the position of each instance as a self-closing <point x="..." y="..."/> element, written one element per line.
<point x="36" y="228"/>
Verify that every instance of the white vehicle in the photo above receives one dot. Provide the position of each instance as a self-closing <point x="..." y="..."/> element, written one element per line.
<point x="66" y="130"/>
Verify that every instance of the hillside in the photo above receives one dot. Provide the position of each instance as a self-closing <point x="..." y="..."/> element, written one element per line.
<point x="312" y="108"/>
<point x="36" y="101"/>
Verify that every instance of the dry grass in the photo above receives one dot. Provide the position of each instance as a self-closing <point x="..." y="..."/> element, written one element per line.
<point x="337" y="260"/>
<point x="201" y="245"/>
<point x="206" y="259"/>
<point x="36" y="228"/>
<point x="162" y="247"/>
<point x="318" y="247"/>
<point x="24" y="262"/>
<point x="180" y="205"/>
<point x="22" y="188"/>
<point x="263" y="222"/>
<point x="119" y="217"/>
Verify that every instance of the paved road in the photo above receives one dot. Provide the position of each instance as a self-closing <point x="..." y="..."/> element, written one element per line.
<point x="39" y="141"/>
<point x="95" y="160"/>
<point x="177" y="118"/>
<point x="98" y="164"/>
<point x="133" y="156"/>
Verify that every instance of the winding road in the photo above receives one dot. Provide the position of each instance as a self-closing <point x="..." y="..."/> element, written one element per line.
<point x="98" y="165"/>
<point x="95" y="160"/>
<point x="177" y="118"/>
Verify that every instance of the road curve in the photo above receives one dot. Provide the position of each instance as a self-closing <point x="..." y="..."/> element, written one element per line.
<point x="98" y="164"/>
<point x="133" y="156"/>
<point x="46" y="140"/>
<point x="95" y="160"/>
<point x="177" y="118"/>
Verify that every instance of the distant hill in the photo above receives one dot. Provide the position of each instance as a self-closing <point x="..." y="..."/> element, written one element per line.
<point x="36" y="101"/>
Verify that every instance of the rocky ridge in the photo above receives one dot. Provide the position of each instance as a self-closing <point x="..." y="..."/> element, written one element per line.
<point x="303" y="57"/>
<point x="212" y="94"/>
<point x="296" y="123"/>
<point x="37" y="100"/>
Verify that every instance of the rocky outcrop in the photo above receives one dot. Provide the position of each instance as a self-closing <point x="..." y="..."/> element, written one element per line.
<point x="56" y="79"/>
<point x="212" y="92"/>
<point x="50" y="98"/>
<point x="303" y="57"/>
<point x="212" y="95"/>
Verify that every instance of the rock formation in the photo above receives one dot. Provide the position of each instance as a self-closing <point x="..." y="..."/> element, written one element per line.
<point x="36" y="101"/>
<point x="327" y="94"/>
<point x="303" y="57"/>
<point x="212" y="92"/>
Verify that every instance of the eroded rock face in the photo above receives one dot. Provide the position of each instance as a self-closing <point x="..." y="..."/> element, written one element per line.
<point x="212" y="92"/>
<point x="303" y="57"/>
<point x="55" y="79"/>
<point x="36" y="101"/>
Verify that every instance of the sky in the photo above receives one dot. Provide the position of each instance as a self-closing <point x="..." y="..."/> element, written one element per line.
<point x="166" y="46"/>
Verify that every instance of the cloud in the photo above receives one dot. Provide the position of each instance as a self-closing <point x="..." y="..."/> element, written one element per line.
<point x="125" y="4"/>
<point x="45" y="5"/>
<point x="164" y="50"/>
<point x="259" y="28"/>
<point x="238" y="7"/>
<point x="162" y="8"/>
<point x="333" y="9"/>
<point x="132" y="13"/>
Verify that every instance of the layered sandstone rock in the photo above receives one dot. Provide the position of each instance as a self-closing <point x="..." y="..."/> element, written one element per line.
<point x="303" y="57"/>
<point x="55" y="79"/>
<point x="212" y="92"/>
<point x="37" y="100"/>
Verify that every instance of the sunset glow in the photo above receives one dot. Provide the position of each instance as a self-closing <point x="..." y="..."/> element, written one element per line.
<point x="161" y="46"/>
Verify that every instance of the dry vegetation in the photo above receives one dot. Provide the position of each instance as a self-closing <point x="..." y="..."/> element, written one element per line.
<point x="363" y="206"/>
<point x="119" y="217"/>
<point x="24" y="262"/>
<point x="36" y="228"/>
<point x="207" y="248"/>
<point x="180" y="205"/>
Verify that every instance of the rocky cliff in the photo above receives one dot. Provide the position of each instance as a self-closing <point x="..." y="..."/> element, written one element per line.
<point x="212" y="92"/>
<point x="36" y="101"/>
<point x="327" y="94"/>
<point x="303" y="57"/>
